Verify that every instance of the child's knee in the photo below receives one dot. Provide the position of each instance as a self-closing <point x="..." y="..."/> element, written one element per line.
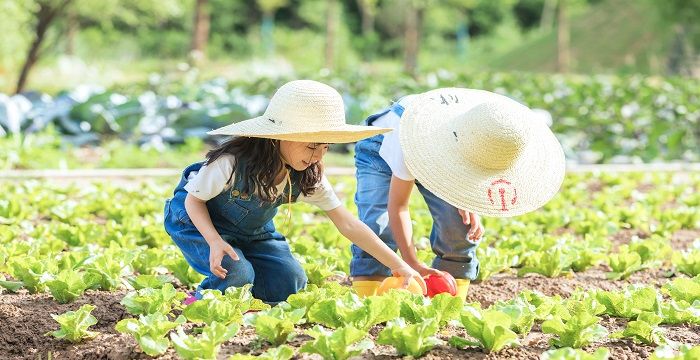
<point x="239" y="272"/>
<point x="295" y="277"/>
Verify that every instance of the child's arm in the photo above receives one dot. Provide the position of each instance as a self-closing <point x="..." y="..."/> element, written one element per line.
<point x="218" y="248"/>
<point x="400" y="224"/>
<point x="362" y="236"/>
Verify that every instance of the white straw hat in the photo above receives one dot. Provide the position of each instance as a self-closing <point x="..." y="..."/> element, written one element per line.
<point x="304" y="111"/>
<point x="481" y="151"/>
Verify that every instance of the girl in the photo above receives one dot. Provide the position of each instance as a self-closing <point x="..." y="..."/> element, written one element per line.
<point x="221" y="213"/>
<point x="468" y="152"/>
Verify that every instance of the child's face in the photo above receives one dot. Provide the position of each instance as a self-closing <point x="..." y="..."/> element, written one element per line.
<point x="301" y="155"/>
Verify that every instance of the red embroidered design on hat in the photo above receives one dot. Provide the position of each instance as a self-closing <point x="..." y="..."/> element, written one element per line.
<point x="503" y="186"/>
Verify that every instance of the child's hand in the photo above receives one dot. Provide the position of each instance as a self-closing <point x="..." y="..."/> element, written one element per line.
<point x="476" y="229"/>
<point x="424" y="270"/>
<point x="407" y="273"/>
<point x="217" y="251"/>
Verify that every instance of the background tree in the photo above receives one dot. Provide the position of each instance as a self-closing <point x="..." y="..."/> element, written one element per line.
<point x="268" y="8"/>
<point x="684" y="14"/>
<point x="200" y="29"/>
<point x="368" y="12"/>
<point x="331" y="31"/>
<point x="49" y="15"/>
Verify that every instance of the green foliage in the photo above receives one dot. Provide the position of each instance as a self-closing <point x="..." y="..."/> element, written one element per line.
<point x="550" y="263"/>
<point x="276" y="325"/>
<point x="688" y="262"/>
<point x="522" y="314"/>
<point x="283" y="352"/>
<point x="340" y="344"/>
<point x="149" y="301"/>
<point x="224" y="309"/>
<point x="577" y="325"/>
<point x="150" y="331"/>
<point x="683" y="289"/>
<point x="204" y="346"/>
<point x="150" y="281"/>
<point x="491" y="329"/>
<point x="624" y="264"/>
<point x="630" y="303"/>
<point x="410" y="339"/>
<point x="685" y="352"/>
<point x="67" y="285"/>
<point x="643" y="330"/>
<point x="75" y="324"/>
<point x="350" y="310"/>
<point x="575" y="354"/>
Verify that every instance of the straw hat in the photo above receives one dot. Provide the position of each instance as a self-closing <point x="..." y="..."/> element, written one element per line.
<point x="304" y="111"/>
<point x="481" y="151"/>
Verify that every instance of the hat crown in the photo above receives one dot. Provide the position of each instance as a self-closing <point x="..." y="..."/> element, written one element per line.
<point x="493" y="134"/>
<point x="306" y="104"/>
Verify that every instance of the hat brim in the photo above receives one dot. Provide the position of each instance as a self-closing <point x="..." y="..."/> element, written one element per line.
<point x="439" y="164"/>
<point x="260" y="127"/>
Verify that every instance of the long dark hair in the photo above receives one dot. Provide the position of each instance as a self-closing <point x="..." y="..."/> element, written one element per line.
<point x="263" y="162"/>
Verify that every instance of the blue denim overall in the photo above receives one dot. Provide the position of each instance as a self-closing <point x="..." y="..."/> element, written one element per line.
<point x="454" y="253"/>
<point x="245" y="222"/>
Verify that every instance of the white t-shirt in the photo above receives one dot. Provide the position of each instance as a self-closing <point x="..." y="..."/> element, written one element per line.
<point x="390" y="150"/>
<point x="211" y="179"/>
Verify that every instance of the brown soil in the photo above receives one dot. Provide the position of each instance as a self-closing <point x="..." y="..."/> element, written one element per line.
<point x="25" y="318"/>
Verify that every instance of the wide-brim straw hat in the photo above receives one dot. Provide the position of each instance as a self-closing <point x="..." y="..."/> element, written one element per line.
<point x="480" y="151"/>
<point x="303" y="111"/>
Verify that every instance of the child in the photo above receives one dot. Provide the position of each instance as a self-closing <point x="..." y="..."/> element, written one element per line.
<point x="221" y="213"/>
<point x="468" y="152"/>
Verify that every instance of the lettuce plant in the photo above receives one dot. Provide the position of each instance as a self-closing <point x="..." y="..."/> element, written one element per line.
<point x="568" y="353"/>
<point x="276" y="325"/>
<point x="644" y="330"/>
<point x="339" y="344"/>
<point x="283" y="352"/>
<point x="75" y="324"/>
<point x="350" y="310"/>
<point x="410" y="339"/>
<point x="577" y="326"/>
<point x="150" y="331"/>
<point x="491" y="329"/>
<point x="206" y="345"/>
<point x="67" y="285"/>
<point x="149" y="300"/>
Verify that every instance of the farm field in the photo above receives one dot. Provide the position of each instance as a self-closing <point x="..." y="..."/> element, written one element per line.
<point x="610" y="266"/>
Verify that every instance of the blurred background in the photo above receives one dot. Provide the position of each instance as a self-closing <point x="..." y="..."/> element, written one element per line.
<point x="137" y="83"/>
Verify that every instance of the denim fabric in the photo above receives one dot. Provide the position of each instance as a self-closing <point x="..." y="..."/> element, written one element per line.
<point x="454" y="253"/>
<point x="245" y="222"/>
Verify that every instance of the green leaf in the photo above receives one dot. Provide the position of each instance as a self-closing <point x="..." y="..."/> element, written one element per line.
<point x="410" y="339"/>
<point x="150" y="331"/>
<point x="644" y="330"/>
<point x="225" y="309"/>
<point x="67" y="286"/>
<point x="149" y="301"/>
<point x="679" y="312"/>
<point x="521" y="313"/>
<point x="575" y="354"/>
<point x="206" y="345"/>
<point x="577" y="326"/>
<point x="74" y="324"/>
<point x="490" y="327"/>
<point x="687" y="290"/>
<point x="150" y="281"/>
<point x="283" y="352"/>
<point x="629" y="303"/>
<point x="276" y="325"/>
<point x="340" y="344"/>
<point x="624" y="264"/>
<point x="12" y="286"/>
